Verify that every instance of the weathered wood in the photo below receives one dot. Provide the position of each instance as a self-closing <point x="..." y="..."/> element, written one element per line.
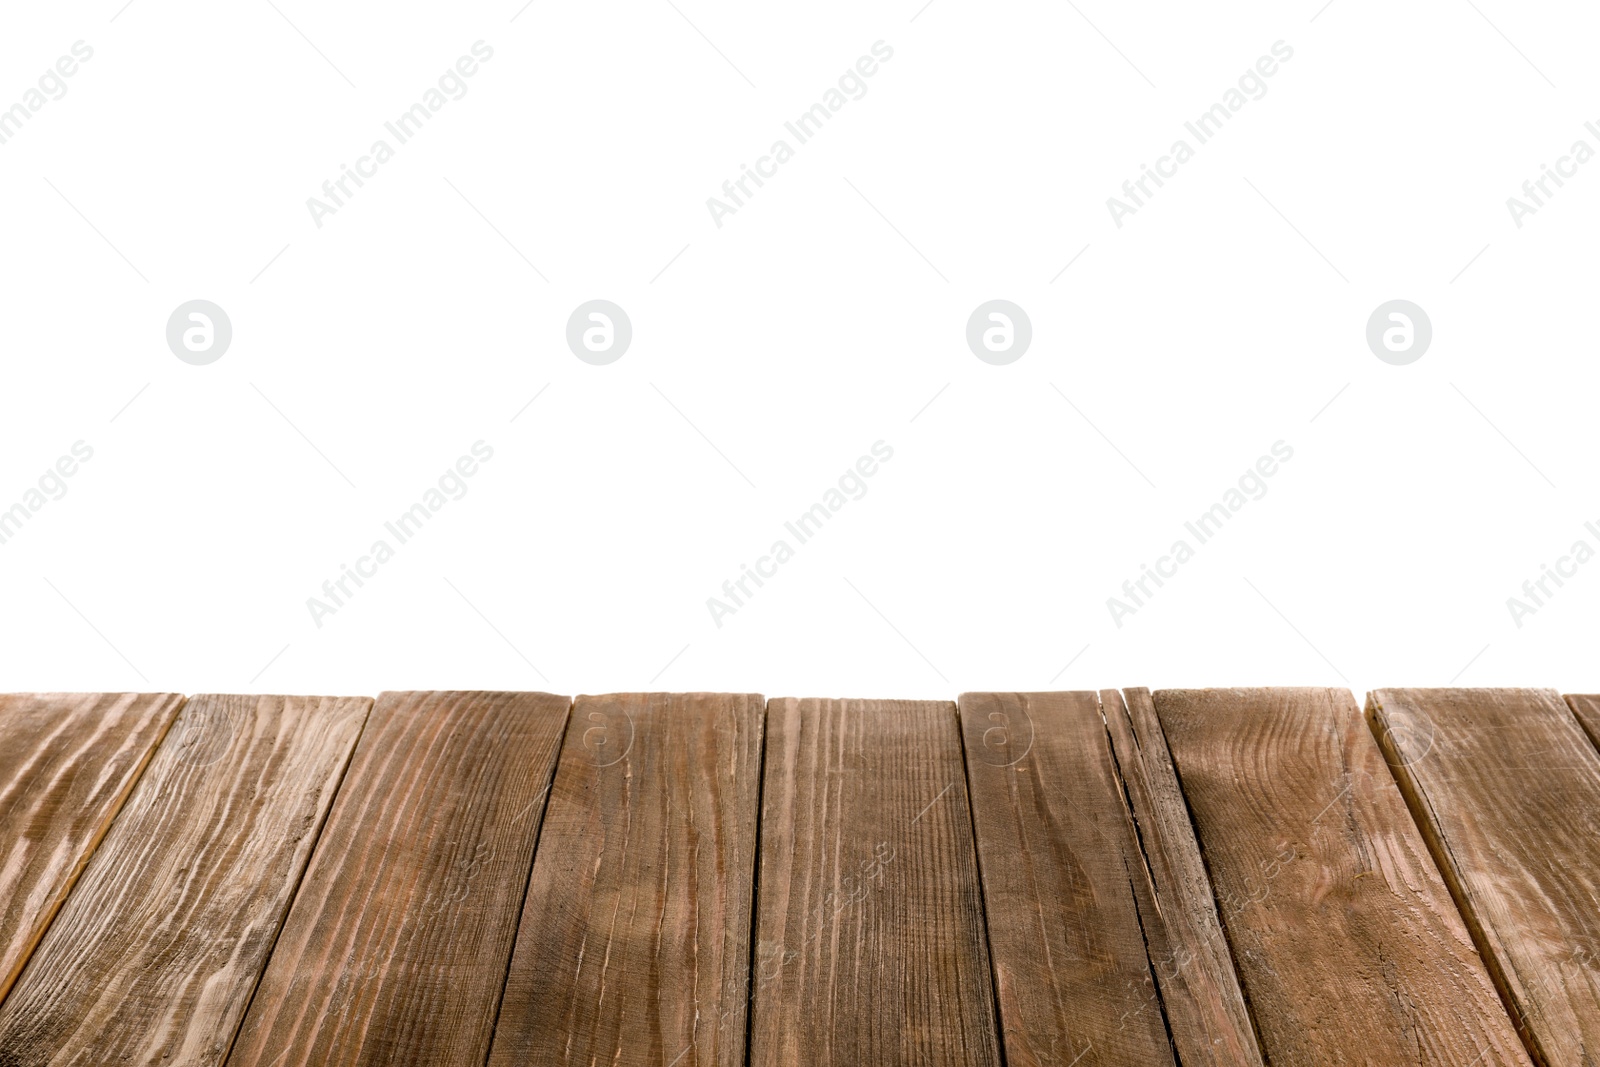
<point x="395" y="951"/>
<point x="634" y="946"/>
<point x="1058" y="857"/>
<point x="1205" y="1007"/>
<point x="153" y="956"/>
<point x="1345" y="936"/>
<point x="1587" y="709"/>
<point x="67" y="765"/>
<point x="871" y="944"/>
<point x="1506" y="787"/>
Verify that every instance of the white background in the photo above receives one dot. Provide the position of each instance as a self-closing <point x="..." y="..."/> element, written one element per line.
<point x="1227" y="314"/>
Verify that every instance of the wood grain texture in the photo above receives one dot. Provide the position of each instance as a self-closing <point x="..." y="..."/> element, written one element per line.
<point x="634" y="947"/>
<point x="1058" y="856"/>
<point x="1506" y="786"/>
<point x="67" y="765"/>
<point x="1587" y="709"/>
<point x="1349" y="946"/>
<point x="1200" y="990"/>
<point x="396" y="949"/>
<point x="153" y="956"/>
<point x="871" y="946"/>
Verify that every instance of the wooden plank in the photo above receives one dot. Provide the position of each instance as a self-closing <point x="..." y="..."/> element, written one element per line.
<point x="67" y="765"/>
<point x="1205" y="1007"/>
<point x="1506" y="787"/>
<point x="1057" y="857"/>
<point x="1587" y="709"/>
<point x="396" y="949"/>
<point x="871" y="944"/>
<point x="634" y="946"/>
<point x="1345" y="937"/>
<point x="153" y="957"/>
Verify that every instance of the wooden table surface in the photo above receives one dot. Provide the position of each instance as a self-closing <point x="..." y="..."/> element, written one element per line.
<point x="1250" y="877"/>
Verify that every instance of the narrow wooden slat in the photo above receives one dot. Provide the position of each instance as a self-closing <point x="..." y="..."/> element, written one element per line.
<point x="1205" y="1007"/>
<point x="1506" y="787"/>
<point x="634" y="946"/>
<point x="871" y="946"/>
<point x="1346" y="939"/>
<point x="152" y="958"/>
<point x="396" y="949"/>
<point x="1058" y="856"/>
<point x="67" y="765"/>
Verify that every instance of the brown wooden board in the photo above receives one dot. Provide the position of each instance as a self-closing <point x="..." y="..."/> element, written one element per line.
<point x="1506" y="787"/>
<point x="1058" y="857"/>
<point x="153" y="956"/>
<point x="396" y="949"/>
<point x="870" y="932"/>
<point x="1344" y="934"/>
<point x="67" y="765"/>
<point x="1205" y="1007"/>
<point x="634" y="947"/>
<point x="1587" y="709"/>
